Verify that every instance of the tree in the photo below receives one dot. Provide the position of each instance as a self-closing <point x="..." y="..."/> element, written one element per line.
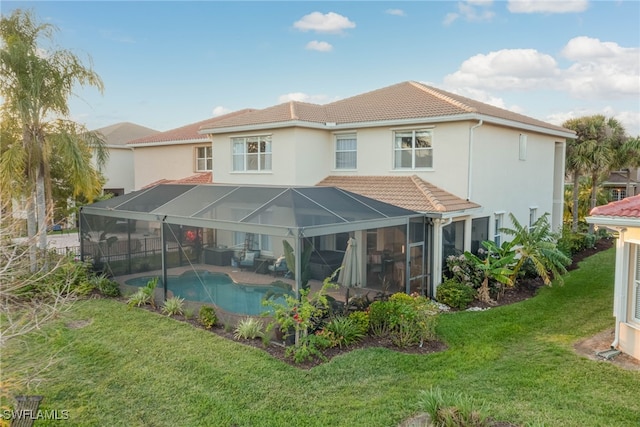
<point x="592" y="153"/>
<point x="36" y="84"/>
<point x="537" y="245"/>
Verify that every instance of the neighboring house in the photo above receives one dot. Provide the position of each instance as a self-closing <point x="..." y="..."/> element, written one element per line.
<point x="464" y="164"/>
<point x="624" y="217"/>
<point x="118" y="171"/>
<point x="174" y="155"/>
<point x="621" y="184"/>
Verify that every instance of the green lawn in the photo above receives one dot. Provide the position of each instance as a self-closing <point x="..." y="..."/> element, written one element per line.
<point x="131" y="367"/>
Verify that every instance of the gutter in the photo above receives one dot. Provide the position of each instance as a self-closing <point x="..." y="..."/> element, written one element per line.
<point x="469" y="171"/>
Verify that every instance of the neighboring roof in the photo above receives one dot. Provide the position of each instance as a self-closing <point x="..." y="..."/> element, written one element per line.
<point x="187" y="133"/>
<point x="625" y="208"/>
<point x="407" y="101"/>
<point x="274" y="210"/>
<point x="409" y="192"/>
<point x="199" y="178"/>
<point x="617" y="179"/>
<point x="120" y="133"/>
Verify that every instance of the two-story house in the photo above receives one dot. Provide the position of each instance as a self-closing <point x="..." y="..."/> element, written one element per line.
<point x="466" y="165"/>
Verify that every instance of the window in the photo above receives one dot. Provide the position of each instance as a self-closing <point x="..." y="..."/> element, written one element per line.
<point x="617" y="194"/>
<point x="497" y="226"/>
<point x="636" y="286"/>
<point x="346" y="151"/>
<point x="251" y="153"/>
<point x="523" y="147"/>
<point x="204" y="159"/>
<point x="479" y="233"/>
<point x="533" y="216"/>
<point x="452" y="240"/>
<point x="413" y="149"/>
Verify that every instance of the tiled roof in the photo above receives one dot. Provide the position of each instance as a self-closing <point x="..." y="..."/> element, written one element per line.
<point x="120" y="133"/>
<point x="402" y="101"/>
<point x="625" y="208"/>
<point x="409" y="192"/>
<point x="187" y="132"/>
<point x="199" y="178"/>
<point x="618" y="178"/>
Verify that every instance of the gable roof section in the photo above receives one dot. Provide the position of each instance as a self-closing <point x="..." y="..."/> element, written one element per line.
<point x="187" y="133"/>
<point x="403" y="102"/>
<point x="408" y="192"/>
<point x="625" y="208"/>
<point x="120" y="133"/>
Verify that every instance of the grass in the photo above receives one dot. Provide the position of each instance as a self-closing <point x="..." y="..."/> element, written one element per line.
<point x="131" y="367"/>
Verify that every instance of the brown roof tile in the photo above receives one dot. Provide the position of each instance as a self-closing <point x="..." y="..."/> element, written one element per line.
<point x="199" y="178"/>
<point x="402" y="101"/>
<point x="409" y="192"/>
<point x="187" y="132"/>
<point x="627" y="208"/>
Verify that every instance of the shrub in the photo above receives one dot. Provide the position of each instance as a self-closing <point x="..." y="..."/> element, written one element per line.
<point x="188" y="313"/>
<point x="144" y="295"/>
<point x="173" y="306"/>
<point x="105" y="286"/>
<point x="455" y="410"/>
<point x="463" y="270"/>
<point x="248" y="328"/>
<point x="455" y="294"/>
<point x="571" y="243"/>
<point x="361" y="321"/>
<point x="345" y="331"/>
<point x="405" y="319"/>
<point x="207" y="317"/>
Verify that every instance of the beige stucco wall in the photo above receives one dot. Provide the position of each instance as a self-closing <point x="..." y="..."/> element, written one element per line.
<point x="629" y="340"/>
<point x="118" y="170"/>
<point x="163" y="162"/>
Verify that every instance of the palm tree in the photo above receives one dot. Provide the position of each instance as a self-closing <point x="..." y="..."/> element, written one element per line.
<point x="35" y="85"/>
<point x="537" y="244"/>
<point x="592" y="153"/>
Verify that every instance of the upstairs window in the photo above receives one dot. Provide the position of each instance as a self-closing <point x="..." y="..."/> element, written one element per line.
<point x="346" y="151"/>
<point x="251" y="153"/>
<point x="533" y="217"/>
<point x="204" y="159"/>
<point x="413" y="149"/>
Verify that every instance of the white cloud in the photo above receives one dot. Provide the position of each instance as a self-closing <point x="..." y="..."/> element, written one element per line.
<point x="471" y="11"/>
<point x="629" y="119"/>
<point x="303" y="97"/>
<point x="324" y="23"/>
<point x="547" y="6"/>
<point x="395" y="12"/>
<point x="219" y="111"/>
<point x="599" y="70"/>
<point x="319" y="46"/>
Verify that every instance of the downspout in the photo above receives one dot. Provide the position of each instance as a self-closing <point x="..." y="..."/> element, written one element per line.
<point x="619" y="308"/>
<point x="469" y="171"/>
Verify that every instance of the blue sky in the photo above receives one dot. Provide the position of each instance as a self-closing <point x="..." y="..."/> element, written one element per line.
<point x="168" y="64"/>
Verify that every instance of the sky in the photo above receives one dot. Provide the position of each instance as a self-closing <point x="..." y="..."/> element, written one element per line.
<point x="167" y="64"/>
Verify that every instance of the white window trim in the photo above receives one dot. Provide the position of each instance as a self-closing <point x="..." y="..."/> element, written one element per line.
<point x="635" y="302"/>
<point x="197" y="149"/>
<point x="533" y="210"/>
<point x="244" y="170"/>
<point x="337" y="136"/>
<point x="497" y="234"/>
<point x="413" y="157"/>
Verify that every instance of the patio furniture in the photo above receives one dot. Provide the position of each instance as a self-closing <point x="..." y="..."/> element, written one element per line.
<point x="249" y="260"/>
<point x="279" y="266"/>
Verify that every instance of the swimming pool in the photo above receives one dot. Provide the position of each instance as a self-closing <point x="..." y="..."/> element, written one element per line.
<point x="219" y="289"/>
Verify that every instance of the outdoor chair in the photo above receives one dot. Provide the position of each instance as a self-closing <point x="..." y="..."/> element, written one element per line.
<point x="279" y="266"/>
<point x="248" y="261"/>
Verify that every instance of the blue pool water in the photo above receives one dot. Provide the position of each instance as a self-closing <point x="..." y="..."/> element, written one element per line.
<point x="219" y="289"/>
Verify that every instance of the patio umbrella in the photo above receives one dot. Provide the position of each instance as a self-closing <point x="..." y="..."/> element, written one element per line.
<point x="349" y="275"/>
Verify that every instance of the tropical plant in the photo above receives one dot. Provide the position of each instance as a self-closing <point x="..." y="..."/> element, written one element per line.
<point x="361" y="320"/>
<point x="144" y="295"/>
<point x="207" y="316"/>
<point x="455" y="294"/>
<point x="537" y="244"/>
<point x="305" y="269"/>
<point x="105" y="286"/>
<point x="592" y="153"/>
<point x="248" y="328"/>
<point x="494" y="266"/>
<point x="345" y="331"/>
<point x="173" y="306"/>
<point x="35" y="84"/>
